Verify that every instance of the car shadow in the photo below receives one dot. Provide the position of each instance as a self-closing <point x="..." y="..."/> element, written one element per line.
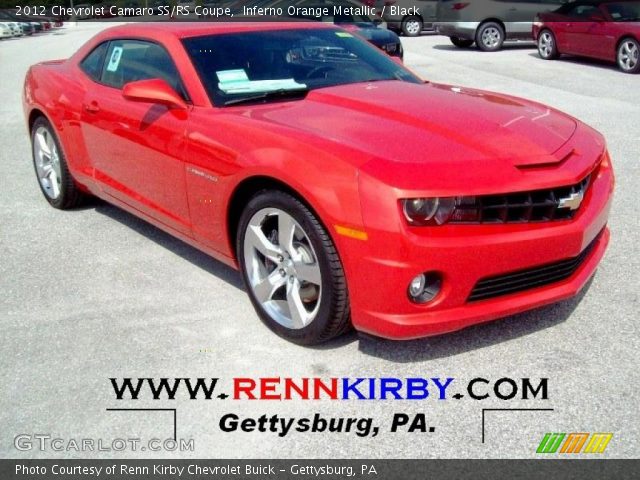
<point x="584" y="61"/>
<point x="505" y="47"/>
<point x="472" y="338"/>
<point x="171" y="243"/>
<point x="431" y="348"/>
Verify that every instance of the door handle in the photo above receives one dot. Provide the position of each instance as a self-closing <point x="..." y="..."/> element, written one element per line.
<point x="92" y="107"/>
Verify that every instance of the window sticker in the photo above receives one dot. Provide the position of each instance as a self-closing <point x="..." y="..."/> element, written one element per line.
<point x="260" y="86"/>
<point x="114" y="61"/>
<point x="231" y="76"/>
<point x="344" y="35"/>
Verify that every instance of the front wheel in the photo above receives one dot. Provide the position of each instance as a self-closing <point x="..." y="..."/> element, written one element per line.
<point x="490" y="37"/>
<point x="627" y="55"/>
<point x="291" y="269"/>
<point x="461" y="42"/>
<point x="54" y="178"/>
<point x="547" y="47"/>
<point x="412" y="26"/>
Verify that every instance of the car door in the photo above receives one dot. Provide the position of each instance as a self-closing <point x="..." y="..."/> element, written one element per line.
<point x="518" y="16"/>
<point x="598" y="39"/>
<point x="428" y="10"/>
<point x="577" y="36"/>
<point x="137" y="148"/>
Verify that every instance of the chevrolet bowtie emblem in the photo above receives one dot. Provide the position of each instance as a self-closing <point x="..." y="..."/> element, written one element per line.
<point x="572" y="202"/>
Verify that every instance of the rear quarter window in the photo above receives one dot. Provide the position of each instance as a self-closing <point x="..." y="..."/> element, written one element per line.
<point x="92" y="63"/>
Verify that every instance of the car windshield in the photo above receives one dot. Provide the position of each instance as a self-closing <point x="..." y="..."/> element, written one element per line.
<point x="250" y="64"/>
<point x="624" y="11"/>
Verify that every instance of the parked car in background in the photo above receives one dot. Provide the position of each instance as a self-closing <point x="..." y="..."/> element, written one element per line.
<point x="371" y="29"/>
<point x="401" y="15"/>
<point x="27" y="28"/>
<point x="607" y="30"/>
<point x="26" y="24"/>
<point x="488" y="23"/>
<point x="383" y="38"/>
<point x="5" y="31"/>
<point x="16" y="31"/>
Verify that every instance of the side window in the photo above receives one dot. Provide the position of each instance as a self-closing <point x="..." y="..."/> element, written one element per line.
<point x="92" y="63"/>
<point x="132" y="60"/>
<point x="583" y="11"/>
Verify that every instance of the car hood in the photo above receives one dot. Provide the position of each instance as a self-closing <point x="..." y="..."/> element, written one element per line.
<point x="429" y="123"/>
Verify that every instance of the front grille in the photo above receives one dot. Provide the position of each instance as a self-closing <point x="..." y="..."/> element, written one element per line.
<point x="559" y="203"/>
<point x="491" y="287"/>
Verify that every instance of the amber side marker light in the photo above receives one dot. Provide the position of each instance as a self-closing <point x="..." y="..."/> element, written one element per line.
<point x="351" y="232"/>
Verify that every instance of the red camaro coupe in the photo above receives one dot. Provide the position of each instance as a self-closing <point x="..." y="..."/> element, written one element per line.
<point x="347" y="190"/>
<point x="604" y="29"/>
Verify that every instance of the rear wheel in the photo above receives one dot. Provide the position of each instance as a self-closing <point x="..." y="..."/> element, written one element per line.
<point x="461" y="42"/>
<point x="56" y="183"/>
<point x="547" y="47"/>
<point x="627" y="55"/>
<point x="292" y="271"/>
<point x="412" y="26"/>
<point x="490" y="37"/>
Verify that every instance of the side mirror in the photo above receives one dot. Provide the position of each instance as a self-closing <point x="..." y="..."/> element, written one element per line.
<point x="154" y="90"/>
<point x="596" y="17"/>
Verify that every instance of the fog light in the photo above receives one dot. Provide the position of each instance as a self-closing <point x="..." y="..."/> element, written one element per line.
<point x="424" y="287"/>
<point x="416" y="287"/>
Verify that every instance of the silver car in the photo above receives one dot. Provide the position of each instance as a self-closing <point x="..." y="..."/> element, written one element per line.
<point x="488" y="23"/>
<point x="16" y="30"/>
<point x="5" y="31"/>
<point x="409" y="17"/>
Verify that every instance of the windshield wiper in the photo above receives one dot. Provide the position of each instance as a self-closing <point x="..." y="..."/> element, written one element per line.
<point x="281" y="93"/>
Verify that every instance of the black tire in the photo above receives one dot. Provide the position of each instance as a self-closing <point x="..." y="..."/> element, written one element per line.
<point x="412" y="26"/>
<point x="461" y="42"/>
<point x="70" y="195"/>
<point x="547" y="46"/>
<point x="333" y="316"/>
<point x="490" y="37"/>
<point x="626" y="61"/>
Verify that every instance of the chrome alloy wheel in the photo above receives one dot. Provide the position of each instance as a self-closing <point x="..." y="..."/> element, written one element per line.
<point x="47" y="160"/>
<point x="491" y="37"/>
<point x="628" y="55"/>
<point x="413" y="27"/>
<point x="545" y="45"/>
<point x="282" y="268"/>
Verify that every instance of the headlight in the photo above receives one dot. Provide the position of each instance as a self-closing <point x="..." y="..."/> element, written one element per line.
<point x="438" y="211"/>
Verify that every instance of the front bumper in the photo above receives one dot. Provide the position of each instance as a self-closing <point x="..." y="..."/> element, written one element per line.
<point x="465" y="254"/>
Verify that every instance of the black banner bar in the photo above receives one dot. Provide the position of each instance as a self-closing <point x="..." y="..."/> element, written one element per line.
<point x="166" y="469"/>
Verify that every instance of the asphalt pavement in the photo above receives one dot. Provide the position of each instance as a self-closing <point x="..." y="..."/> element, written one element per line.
<point x="96" y="293"/>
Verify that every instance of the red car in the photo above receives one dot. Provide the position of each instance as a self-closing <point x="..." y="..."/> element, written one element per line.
<point x="347" y="190"/>
<point x="607" y="30"/>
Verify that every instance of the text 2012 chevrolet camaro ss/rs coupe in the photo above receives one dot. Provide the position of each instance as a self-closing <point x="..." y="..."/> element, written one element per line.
<point x="345" y="189"/>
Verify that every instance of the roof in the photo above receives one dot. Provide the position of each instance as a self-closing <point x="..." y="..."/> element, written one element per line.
<point x="196" y="29"/>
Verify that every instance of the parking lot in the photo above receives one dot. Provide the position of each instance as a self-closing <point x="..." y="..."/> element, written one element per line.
<point x="96" y="293"/>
